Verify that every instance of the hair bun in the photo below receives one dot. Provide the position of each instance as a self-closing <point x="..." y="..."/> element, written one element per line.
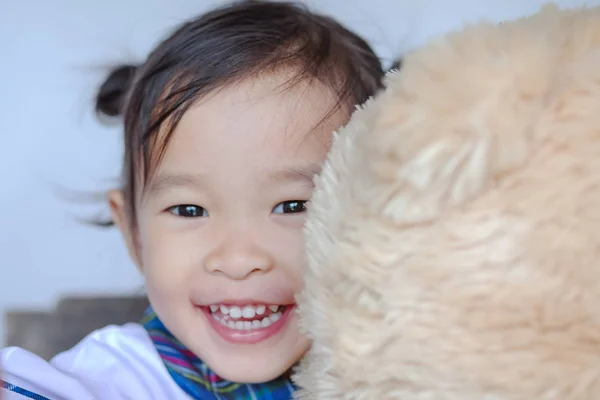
<point x="113" y="92"/>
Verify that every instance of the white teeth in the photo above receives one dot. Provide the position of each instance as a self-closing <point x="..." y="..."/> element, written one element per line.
<point x="275" y="317"/>
<point x="235" y="312"/>
<point x="247" y="325"/>
<point x="248" y="312"/>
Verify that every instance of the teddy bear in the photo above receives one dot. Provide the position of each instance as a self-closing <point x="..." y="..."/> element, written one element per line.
<point x="453" y="239"/>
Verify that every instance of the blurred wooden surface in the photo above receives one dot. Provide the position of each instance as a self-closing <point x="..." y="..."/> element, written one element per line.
<point x="47" y="334"/>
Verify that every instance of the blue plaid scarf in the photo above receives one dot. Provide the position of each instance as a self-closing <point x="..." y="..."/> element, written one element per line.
<point x="197" y="380"/>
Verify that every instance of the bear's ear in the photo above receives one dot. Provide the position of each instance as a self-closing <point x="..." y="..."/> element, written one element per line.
<point x="443" y="132"/>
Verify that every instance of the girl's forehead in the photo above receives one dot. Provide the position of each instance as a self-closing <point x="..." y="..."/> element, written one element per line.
<point x="259" y="115"/>
<point x="252" y="127"/>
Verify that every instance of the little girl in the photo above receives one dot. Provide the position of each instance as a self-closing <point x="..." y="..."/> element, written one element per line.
<point x="226" y="124"/>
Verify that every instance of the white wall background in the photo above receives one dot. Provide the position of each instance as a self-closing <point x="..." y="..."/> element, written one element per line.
<point x="53" y="56"/>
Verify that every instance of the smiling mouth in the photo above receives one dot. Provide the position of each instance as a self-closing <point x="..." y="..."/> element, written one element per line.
<point x="247" y="318"/>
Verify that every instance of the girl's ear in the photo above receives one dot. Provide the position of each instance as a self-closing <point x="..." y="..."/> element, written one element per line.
<point x="116" y="200"/>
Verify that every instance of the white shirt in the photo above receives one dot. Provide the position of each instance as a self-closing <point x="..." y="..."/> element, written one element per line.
<point x="113" y="363"/>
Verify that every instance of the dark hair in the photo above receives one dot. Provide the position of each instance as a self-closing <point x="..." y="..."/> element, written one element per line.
<point x="218" y="48"/>
<point x="396" y="65"/>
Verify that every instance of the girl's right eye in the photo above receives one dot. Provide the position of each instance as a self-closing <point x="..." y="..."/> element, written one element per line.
<point x="188" y="211"/>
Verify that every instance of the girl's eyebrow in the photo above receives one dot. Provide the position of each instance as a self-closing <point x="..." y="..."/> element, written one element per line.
<point x="305" y="174"/>
<point x="167" y="181"/>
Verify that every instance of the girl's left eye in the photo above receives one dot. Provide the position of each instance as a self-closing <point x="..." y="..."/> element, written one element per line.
<point x="290" y="207"/>
<point x="188" y="211"/>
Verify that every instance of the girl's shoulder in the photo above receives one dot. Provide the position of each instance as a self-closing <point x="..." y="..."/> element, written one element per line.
<point x="115" y="363"/>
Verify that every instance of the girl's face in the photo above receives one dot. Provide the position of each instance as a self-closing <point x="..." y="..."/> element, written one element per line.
<point x="220" y="225"/>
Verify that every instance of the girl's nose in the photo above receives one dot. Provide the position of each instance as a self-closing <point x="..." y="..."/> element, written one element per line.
<point x="237" y="257"/>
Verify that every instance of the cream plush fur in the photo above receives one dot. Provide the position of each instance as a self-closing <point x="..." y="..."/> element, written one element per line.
<point x="454" y="236"/>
